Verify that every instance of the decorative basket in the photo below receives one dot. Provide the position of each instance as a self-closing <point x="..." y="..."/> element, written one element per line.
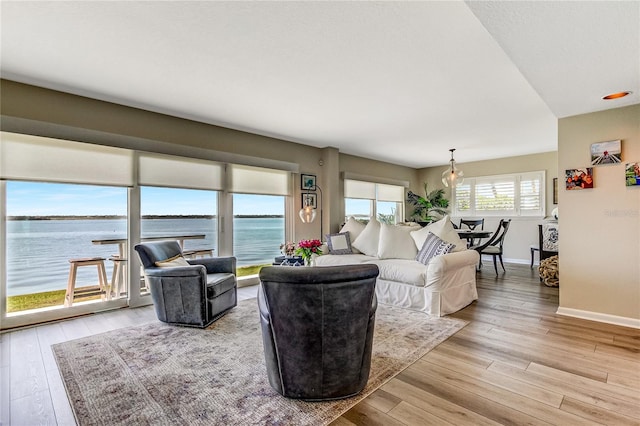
<point x="549" y="271"/>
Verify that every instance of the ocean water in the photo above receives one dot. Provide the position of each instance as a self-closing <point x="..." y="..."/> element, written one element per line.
<point x="38" y="251"/>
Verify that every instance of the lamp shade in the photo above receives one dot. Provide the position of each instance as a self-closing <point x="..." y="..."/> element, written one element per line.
<point x="453" y="176"/>
<point x="307" y="214"/>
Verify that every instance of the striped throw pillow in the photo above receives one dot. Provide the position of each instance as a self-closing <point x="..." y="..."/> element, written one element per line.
<point x="433" y="246"/>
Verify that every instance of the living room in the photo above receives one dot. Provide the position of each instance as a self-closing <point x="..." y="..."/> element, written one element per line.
<point x="596" y="284"/>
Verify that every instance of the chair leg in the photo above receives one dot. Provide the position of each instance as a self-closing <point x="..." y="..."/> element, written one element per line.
<point x="495" y="264"/>
<point x="502" y="264"/>
<point x="532" y="258"/>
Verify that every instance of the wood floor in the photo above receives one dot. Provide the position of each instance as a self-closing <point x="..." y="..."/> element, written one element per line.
<point x="516" y="362"/>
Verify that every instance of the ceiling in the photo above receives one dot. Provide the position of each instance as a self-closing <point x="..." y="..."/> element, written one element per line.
<point x="395" y="81"/>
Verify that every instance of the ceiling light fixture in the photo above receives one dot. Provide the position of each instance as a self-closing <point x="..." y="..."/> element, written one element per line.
<point x="453" y="176"/>
<point x="616" y="95"/>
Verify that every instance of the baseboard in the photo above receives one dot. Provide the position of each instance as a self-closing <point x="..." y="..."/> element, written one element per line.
<point x="509" y="260"/>
<point x="600" y="317"/>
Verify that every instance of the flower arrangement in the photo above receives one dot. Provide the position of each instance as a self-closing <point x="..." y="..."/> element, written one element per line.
<point x="307" y="248"/>
<point x="288" y="248"/>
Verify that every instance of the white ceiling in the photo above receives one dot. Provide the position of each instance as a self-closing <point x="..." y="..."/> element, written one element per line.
<point x="396" y="81"/>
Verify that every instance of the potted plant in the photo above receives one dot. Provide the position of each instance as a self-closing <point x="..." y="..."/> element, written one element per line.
<point x="425" y="207"/>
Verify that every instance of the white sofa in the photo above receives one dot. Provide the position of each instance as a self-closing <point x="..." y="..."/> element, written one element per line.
<point x="446" y="284"/>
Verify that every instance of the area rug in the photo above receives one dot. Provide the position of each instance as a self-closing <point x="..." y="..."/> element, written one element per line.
<point x="165" y="375"/>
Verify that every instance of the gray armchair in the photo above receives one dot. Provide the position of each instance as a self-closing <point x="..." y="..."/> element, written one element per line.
<point x="317" y="329"/>
<point x="194" y="295"/>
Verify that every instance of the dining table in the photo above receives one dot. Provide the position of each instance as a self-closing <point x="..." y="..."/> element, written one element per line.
<point x="471" y="235"/>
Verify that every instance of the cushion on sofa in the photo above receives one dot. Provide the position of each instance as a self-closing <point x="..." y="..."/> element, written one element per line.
<point x="346" y="259"/>
<point x="339" y="243"/>
<point x="444" y="230"/>
<point x="396" y="243"/>
<point x="367" y="241"/>
<point x="354" y="228"/>
<point x="433" y="246"/>
<point x="402" y="271"/>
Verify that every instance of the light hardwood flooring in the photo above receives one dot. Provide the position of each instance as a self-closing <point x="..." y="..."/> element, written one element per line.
<point x="516" y="362"/>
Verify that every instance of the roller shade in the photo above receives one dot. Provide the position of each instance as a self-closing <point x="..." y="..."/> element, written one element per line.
<point x="390" y="193"/>
<point x="27" y="157"/>
<point x="359" y="189"/>
<point x="258" y="180"/>
<point x="179" y="172"/>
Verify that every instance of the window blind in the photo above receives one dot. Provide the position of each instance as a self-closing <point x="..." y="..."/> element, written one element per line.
<point x="520" y="194"/>
<point x="258" y="180"/>
<point x="27" y="157"/>
<point x="359" y="189"/>
<point x="390" y="193"/>
<point x="179" y="172"/>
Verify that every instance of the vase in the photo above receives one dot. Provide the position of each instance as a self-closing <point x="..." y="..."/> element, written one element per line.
<point x="309" y="261"/>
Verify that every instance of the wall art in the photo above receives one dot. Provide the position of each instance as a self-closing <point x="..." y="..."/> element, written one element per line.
<point x="578" y="178"/>
<point x="609" y="152"/>
<point x="632" y="174"/>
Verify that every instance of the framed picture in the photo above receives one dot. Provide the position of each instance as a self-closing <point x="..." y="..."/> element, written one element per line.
<point x="310" y="198"/>
<point x="579" y="178"/>
<point x="308" y="182"/>
<point x="632" y="174"/>
<point x="606" y="153"/>
<point x="555" y="190"/>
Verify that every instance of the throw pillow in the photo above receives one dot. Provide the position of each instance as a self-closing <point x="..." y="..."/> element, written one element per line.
<point x="178" y="260"/>
<point x="367" y="241"/>
<point x="396" y="242"/>
<point x="433" y="246"/>
<point x="339" y="243"/>
<point x="354" y="228"/>
<point x="444" y="230"/>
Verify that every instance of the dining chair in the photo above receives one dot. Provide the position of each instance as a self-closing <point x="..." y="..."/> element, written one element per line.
<point x="472" y="224"/>
<point x="494" y="246"/>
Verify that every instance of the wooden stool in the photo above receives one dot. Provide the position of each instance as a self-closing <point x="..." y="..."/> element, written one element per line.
<point x="71" y="283"/>
<point x="119" y="276"/>
<point x="193" y="254"/>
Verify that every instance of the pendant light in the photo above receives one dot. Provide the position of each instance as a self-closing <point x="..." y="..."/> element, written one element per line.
<point x="453" y="176"/>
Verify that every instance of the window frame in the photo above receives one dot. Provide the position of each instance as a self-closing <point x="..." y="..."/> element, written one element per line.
<point x="517" y="179"/>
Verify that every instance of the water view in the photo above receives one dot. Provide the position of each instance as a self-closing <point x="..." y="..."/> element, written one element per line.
<point x="38" y="251"/>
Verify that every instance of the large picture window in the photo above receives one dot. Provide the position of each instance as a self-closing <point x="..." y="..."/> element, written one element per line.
<point x="519" y="194"/>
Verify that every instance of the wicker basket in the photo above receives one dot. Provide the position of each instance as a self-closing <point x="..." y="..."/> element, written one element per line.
<point x="549" y="271"/>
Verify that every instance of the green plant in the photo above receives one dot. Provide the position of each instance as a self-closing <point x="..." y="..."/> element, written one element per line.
<point x="425" y="207"/>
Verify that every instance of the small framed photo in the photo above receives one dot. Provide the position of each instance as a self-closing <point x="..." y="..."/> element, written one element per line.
<point x="632" y="174"/>
<point x="579" y="178"/>
<point x="310" y="199"/>
<point x="609" y="152"/>
<point x="308" y="182"/>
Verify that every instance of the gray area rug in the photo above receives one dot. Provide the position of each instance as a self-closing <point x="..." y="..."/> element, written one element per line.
<point x="166" y="375"/>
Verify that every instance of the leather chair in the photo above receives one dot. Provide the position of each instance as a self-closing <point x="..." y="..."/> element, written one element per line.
<point x="494" y="245"/>
<point x="194" y="295"/>
<point x="317" y="329"/>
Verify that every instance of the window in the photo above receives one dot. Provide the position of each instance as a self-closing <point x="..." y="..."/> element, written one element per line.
<point x="259" y="201"/>
<point x="47" y="225"/>
<point x="364" y="200"/>
<point x="519" y="194"/>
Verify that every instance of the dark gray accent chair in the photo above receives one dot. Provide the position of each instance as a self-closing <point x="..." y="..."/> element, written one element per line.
<point x="317" y="329"/>
<point x="195" y="295"/>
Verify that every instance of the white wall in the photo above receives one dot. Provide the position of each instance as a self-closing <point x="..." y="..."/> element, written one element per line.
<point x="600" y="227"/>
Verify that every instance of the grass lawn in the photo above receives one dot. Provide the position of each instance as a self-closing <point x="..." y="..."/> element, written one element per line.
<point x="46" y="299"/>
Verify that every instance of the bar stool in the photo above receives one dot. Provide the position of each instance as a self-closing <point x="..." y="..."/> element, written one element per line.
<point x="71" y="293"/>
<point x="118" y="278"/>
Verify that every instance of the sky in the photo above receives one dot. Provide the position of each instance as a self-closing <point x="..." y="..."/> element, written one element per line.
<point x="51" y="199"/>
